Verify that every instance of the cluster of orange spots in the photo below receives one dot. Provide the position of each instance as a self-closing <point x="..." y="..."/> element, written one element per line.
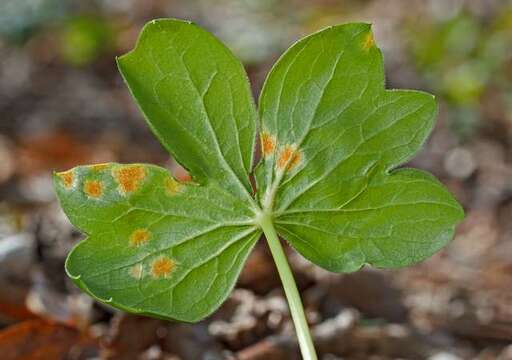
<point x="98" y="167"/>
<point x="288" y="158"/>
<point x="136" y="271"/>
<point x="162" y="267"/>
<point x="93" y="188"/>
<point x="139" y="237"/>
<point x="129" y="177"/>
<point x="268" y="144"/>
<point x="67" y="178"/>
<point x="369" y="41"/>
<point x="172" y="187"/>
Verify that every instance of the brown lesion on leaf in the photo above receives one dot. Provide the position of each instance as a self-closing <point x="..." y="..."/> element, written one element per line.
<point x="136" y="271"/>
<point x="369" y="41"/>
<point x="129" y="177"/>
<point x="139" y="237"/>
<point x="289" y="157"/>
<point x="162" y="267"/>
<point x="268" y="144"/>
<point x="172" y="187"/>
<point x="67" y="178"/>
<point x="93" y="188"/>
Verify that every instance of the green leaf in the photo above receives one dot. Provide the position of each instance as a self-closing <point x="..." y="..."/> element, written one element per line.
<point x="331" y="138"/>
<point x="196" y="98"/>
<point x="193" y="243"/>
<point x="155" y="246"/>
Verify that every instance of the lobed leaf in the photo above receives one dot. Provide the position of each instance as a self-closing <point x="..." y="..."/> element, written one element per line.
<point x="155" y="246"/>
<point x="331" y="137"/>
<point x="196" y="98"/>
<point x="333" y="134"/>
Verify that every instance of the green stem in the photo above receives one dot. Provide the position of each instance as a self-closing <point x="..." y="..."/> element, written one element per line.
<point x="290" y="289"/>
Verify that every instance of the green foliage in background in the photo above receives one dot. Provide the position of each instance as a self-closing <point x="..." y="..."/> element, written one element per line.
<point x="465" y="59"/>
<point x="331" y="137"/>
<point x="84" y="38"/>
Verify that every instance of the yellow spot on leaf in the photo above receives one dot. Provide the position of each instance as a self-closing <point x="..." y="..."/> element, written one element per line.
<point x="98" y="167"/>
<point x="136" y="271"/>
<point x="162" y="267"/>
<point x="369" y="41"/>
<point x="172" y="187"/>
<point x="93" y="188"/>
<point x="129" y="177"/>
<point x="67" y="178"/>
<point x="268" y="144"/>
<point x="139" y="237"/>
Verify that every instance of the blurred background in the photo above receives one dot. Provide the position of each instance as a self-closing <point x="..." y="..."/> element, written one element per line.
<point x="62" y="103"/>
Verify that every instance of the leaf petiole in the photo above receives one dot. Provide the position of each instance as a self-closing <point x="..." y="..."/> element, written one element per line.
<point x="290" y="289"/>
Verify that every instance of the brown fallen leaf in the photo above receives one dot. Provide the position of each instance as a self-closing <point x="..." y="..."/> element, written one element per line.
<point x="40" y="340"/>
<point x="129" y="336"/>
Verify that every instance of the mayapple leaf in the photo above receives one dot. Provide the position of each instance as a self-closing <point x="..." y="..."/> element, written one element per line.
<point x="331" y="138"/>
<point x="196" y="97"/>
<point x="155" y="246"/>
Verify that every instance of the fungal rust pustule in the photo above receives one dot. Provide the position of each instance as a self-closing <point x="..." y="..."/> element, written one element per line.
<point x="139" y="237"/>
<point x="136" y="271"/>
<point x="162" y="267"/>
<point x="289" y="157"/>
<point x="67" y="178"/>
<point x="172" y="187"/>
<point x="93" y="188"/>
<point x="268" y="144"/>
<point x="295" y="160"/>
<point x="129" y="177"/>
<point x="368" y="41"/>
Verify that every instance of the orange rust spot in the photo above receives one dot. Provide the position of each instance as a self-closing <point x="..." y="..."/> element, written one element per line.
<point x="268" y="144"/>
<point x="172" y="187"/>
<point x="129" y="177"/>
<point x="369" y="41"/>
<point x="139" y="237"/>
<point x="98" y="167"/>
<point x="296" y="159"/>
<point x="285" y="155"/>
<point x="136" y="271"/>
<point x="67" y="178"/>
<point x="289" y="157"/>
<point x="93" y="188"/>
<point x="162" y="267"/>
